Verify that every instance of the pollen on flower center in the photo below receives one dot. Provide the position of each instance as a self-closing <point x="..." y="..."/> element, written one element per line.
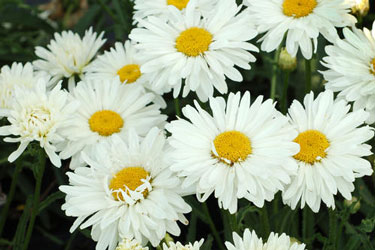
<point x="179" y="4"/>
<point x="130" y="177"/>
<point x="106" y="122"/>
<point x="313" y="145"/>
<point x="193" y="41"/>
<point x="372" y="66"/>
<point x="232" y="146"/>
<point x="129" y="73"/>
<point x="298" y="8"/>
<point x="38" y="119"/>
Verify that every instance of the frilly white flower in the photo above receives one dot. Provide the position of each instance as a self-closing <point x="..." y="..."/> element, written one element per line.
<point x="127" y="244"/>
<point x="178" y="246"/>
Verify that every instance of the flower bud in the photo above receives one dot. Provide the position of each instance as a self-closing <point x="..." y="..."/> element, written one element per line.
<point x="354" y="204"/>
<point x="286" y="61"/>
<point x="361" y="7"/>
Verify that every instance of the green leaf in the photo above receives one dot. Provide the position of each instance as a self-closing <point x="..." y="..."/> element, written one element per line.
<point x="88" y="19"/>
<point x="22" y="223"/>
<point x="207" y="245"/>
<point x="50" y="199"/>
<point x="367" y="225"/>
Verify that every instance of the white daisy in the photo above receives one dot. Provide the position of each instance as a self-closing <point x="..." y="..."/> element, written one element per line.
<point x="128" y="191"/>
<point x="127" y="244"/>
<point x="38" y="115"/>
<point x="332" y="144"/>
<point x="107" y="108"/>
<point x="250" y="241"/>
<point x="301" y="21"/>
<point x="178" y="246"/>
<point x="67" y="55"/>
<point x="351" y="69"/>
<point x="160" y="8"/>
<point x="121" y="62"/>
<point x="16" y="76"/>
<point x="202" y="50"/>
<point x="242" y="151"/>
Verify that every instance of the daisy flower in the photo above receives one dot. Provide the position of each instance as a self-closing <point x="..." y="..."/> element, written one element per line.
<point x="131" y="192"/>
<point x="202" y="50"/>
<point x="68" y="54"/>
<point x="241" y="151"/>
<point x="178" y="246"/>
<point x="351" y="69"/>
<point x="160" y="8"/>
<point x="332" y="142"/>
<point x="107" y="108"/>
<point x="301" y="21"/>
<point x="127" y="244"/>
<point x="38" y="115"/>
<point x="16" y="76"/>
<point x="122" y="62"/>
<point x="250" y="241"/>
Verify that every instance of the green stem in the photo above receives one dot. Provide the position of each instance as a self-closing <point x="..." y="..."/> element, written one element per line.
<point x="274" y="73"/>
<point x="212" y="227"/>
<point x="284" y="99"/>
<point x="265" y="221"/>
<point x="332" y="228"/>
<point x="9" y="198"/>
<point x="38" y="176"/>
<point x="177" y="107"/>
<point x="232" y="218"/>
<point x="308" y="76"/>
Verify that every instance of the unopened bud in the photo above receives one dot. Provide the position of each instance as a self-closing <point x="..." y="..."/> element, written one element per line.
<point x="354" y="204"/>
<point x="361" y="7"/>
<point x="286" y="61"/>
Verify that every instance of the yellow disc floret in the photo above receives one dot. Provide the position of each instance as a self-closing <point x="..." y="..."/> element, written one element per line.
<point x="193" y="41"/>
<point x="233" y="146"/>
<point x="179" y="4"/>
<point x="130" y="177"/>
<point x="313" y="145"/>
<point x="298" y="8"/>
<point x="372" y="66"/>
<point x="129" y="73"/>
<point x="106" y="122"/>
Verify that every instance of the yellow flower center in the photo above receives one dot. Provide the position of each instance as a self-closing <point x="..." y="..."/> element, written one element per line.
<point x="372" y="66"/>
<point x="129" y="73"/>
<point x="193" y="41"/>
<point x="179" y="4"/>
<point x="130" y="177"/>
<point x="106" y="122"/>
<point x="233" y="146"/>
<point x="298" y="8"/>
<point x="313" y="145"/>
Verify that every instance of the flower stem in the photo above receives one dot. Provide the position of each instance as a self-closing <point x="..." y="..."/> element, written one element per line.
<point x="274" y="73"/>
<point x="177" y="107"/>
<point x="308" y="76"/>
<point x="9" y="198"/>
<point x="212" y="227"/>
<point x="38" y="176"/>
<point x="285" y="93"/>
<point x="332" y="228"/>
<point x="265" y="221"/>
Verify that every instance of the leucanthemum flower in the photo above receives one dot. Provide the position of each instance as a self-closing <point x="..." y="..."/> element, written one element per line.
<point x="122" y="62"/>
<point x="250" y="241"/>
<point x="332" y="141"/>
<point x="178" y="246"/>
<point x="16" y="76"/>
<point x="128" y="191"/>
<point x="38" y="115"/>
<point x="68" y="54"/>
<point x="160" y="8"/>
<point x="351" y="69"/>
<point x="301" y="21"/>
<point x="107" y="108"/>
<point x="242" y="151"/>
<point x="127" y="244"/>
<point x="202" y="50"/>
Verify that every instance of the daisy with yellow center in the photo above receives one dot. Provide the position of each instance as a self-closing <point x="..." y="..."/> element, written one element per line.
<point x="196" y="49"/>
<point x="242" y="151"/>
<point x="123" y="62"/>
<point x="108" y="108"/>
<point x="332" y="142"/>
<point x="350" y="70"/>
<point x="300" y="21"/>
<point x="132" y="192"/>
